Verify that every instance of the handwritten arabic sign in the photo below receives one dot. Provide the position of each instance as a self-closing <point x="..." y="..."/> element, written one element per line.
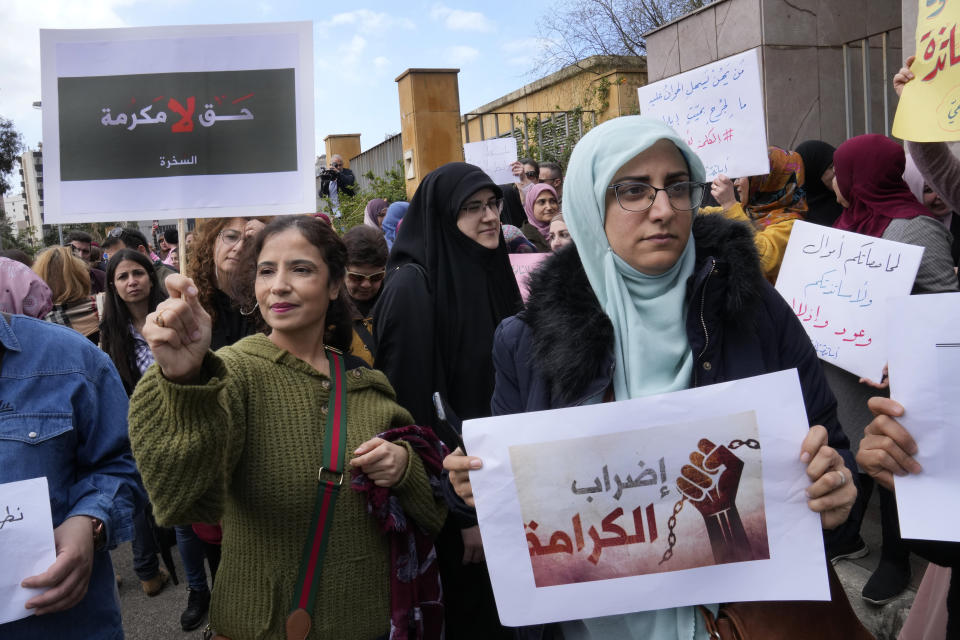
<point x="924" y="369"/>
<point x="167" y="122"/>
<point x="838" y="284"/>
<point x="523" y="265"/>
<point x="929" y="109"/>
<point x="494" y="157"/>
<point x="718" y="110"/>
<point x="593" y="511"/>
<point x="26" y="543"/>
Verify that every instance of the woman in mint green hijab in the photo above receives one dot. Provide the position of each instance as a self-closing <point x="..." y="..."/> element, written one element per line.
<point x="652" y="298"/>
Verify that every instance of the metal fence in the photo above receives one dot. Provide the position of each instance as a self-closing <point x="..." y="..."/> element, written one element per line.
<point x="379" y="159"/>
<point x="868" y="65"/>
<point x="544" y="134"/>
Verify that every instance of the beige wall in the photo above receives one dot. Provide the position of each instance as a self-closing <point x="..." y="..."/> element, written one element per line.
<point x="564" y="90"/>
<point x="429" y="121"/>
<point x="801" y="58"/>
<point x="347" y="145"/>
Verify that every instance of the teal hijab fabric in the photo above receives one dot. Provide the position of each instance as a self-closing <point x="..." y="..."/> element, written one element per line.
<point x="651" y="348"/>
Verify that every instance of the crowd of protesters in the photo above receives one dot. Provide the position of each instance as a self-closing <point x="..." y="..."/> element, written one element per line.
<point x="235" y="365"/>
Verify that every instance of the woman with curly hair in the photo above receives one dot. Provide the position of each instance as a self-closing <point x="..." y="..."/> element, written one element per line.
<point x="213" y="261"/>
<point x="69" y="280"/>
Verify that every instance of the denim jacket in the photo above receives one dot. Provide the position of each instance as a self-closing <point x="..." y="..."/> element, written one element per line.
<point x="63" y="415"/>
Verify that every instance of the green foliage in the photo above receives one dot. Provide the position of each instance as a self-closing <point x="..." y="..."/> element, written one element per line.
<point x="552" y="139"/>
<point x="11" y="146"/>
<point x="392" y="187"/>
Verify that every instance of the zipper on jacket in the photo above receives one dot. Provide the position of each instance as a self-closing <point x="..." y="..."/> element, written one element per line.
<point x="703" y="323"/>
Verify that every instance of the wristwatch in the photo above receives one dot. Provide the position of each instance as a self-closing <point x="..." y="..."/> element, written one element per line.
<point x="99" y="534"/>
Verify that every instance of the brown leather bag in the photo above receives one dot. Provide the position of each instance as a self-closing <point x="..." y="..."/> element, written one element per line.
<point x="833" y="620"/>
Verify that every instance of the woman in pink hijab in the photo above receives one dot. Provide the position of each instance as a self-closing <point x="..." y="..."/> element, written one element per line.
<point x="22" y="291"/>
<point x="540" y="205"/>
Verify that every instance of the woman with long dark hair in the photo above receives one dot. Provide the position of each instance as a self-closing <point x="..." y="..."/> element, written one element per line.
<point x="133" y="291"/>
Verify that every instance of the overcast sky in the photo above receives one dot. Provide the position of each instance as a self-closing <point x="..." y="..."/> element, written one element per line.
<point x="359" y="50"/>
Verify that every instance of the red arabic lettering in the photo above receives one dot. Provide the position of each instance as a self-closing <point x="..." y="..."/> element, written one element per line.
<point x="185" y="123"/>
<point x="932" y="48"/>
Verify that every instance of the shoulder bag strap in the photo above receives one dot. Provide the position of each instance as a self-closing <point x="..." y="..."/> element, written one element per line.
<point x="330" y="480"/>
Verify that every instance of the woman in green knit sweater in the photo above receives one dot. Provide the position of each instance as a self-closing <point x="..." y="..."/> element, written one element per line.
<point x="237" y="435"/>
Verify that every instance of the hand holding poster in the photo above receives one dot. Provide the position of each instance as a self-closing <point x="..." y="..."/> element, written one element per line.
<point x="838" y="284"/>
<point x="26" y="543"/>
<point x="494" y="157"/>
<point x="718" y="110"/>
<point x="161" y="122"/>
<point x="924" y="369"/>
<point x="929" y="108"/>
<point x="592" y="511"/>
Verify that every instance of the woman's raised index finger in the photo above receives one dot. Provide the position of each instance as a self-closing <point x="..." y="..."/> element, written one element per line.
<point x="180" y="286"/>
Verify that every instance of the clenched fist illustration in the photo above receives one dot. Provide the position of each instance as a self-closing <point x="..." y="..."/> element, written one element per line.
<point x="711" y="482"/>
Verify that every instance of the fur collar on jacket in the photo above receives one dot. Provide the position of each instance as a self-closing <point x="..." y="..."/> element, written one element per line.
<point x="572" y="336"/>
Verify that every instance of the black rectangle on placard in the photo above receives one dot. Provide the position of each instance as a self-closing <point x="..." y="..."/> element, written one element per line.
<point x="177" y="124"/>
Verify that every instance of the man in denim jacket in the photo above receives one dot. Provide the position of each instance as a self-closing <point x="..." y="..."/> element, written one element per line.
<point x="63" y="415"/>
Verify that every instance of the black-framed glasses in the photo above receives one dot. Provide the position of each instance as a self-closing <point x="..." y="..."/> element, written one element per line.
<point x="533" y="175"/>
<point x="640" y="196"/>
<point x="476" y="207"/>
<point x="374" y="278"/>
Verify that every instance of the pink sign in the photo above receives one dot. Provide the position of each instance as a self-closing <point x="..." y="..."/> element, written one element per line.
<point x="523" y="265"/>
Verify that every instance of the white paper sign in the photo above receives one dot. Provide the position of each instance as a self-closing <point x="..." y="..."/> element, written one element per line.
<point x="718" y="110"/>
<point x="838" y="283"/>
<point x="575" y="505"/>
<point x="924" y="373"/>
<point x="26" y="543"/>
<point x="173" y="122"/>
<point x="494" y="157"/>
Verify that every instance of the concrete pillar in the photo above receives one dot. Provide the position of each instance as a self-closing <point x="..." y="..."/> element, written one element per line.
<point x="345" y="144"/>
<point x="430" y="121"/>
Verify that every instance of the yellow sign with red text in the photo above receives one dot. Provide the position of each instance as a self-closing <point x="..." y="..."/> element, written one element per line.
<point x="929" y="109"/>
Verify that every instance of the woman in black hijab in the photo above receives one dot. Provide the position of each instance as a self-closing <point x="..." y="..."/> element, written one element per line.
<point x="449" y="284"/>
<point x="822" y="205"/>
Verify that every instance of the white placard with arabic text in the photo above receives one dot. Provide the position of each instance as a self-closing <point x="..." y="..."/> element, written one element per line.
<point x="838" y="283"/>
<point x="26" y="543"/>
<point x="718" y="110"/>
<point x="924" y="370"/>
<point x="589" y="511"/>
<point x="174" y="122"/>
<point x="494" y="157"/>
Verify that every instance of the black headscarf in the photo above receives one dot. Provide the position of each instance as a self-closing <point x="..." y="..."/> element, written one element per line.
<point x="472" y="288"/>
<point x="822" y="204"/>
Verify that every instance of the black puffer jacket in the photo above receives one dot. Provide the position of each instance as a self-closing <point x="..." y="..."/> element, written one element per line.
<point x="559" y="351"/>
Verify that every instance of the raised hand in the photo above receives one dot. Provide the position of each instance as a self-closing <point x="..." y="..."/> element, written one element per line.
<point x="178" y="332"/>
<point x="723" y="191"/>
<point x="904" y="75"/>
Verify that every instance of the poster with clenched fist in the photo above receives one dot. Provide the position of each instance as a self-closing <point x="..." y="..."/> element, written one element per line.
<point x="693" y="497"/>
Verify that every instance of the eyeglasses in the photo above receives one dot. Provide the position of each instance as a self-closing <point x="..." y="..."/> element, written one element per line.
<point x="79" y="251"/>
<point x="231" y="237"/>
<point x="476" y="207"/>
<point x="533" y="175"/>
<point x="640" y="196"/>
<point x="374" y="278"/>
